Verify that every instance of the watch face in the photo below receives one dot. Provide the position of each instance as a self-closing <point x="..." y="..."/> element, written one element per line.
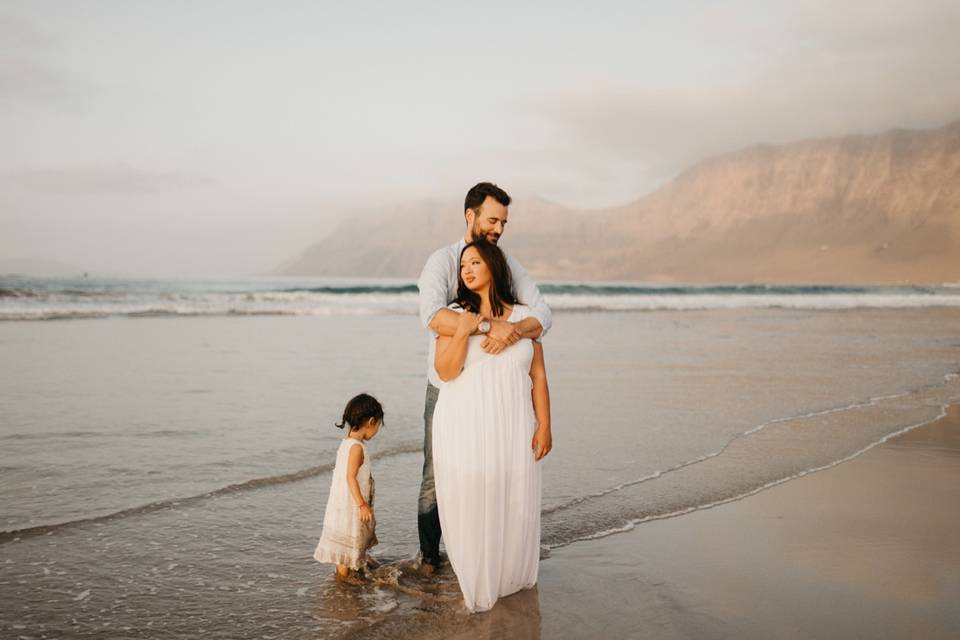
<point x="484" y="327"/>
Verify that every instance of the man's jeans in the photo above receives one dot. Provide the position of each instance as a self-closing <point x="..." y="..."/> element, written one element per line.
<point x="428" y="519"/>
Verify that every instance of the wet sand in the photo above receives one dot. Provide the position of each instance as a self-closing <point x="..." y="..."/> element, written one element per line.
<point x="869" y="549"/>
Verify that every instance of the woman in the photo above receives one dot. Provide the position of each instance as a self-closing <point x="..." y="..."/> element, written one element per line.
<point x="491" y="427"/>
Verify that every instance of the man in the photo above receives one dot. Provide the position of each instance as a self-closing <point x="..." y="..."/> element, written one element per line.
<point x="485" y="212"/>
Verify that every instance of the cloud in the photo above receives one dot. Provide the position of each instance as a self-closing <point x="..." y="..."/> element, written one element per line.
<point x="27" y="74"/>
<point x="824" y="70"/>
<point x="26" y="81"/>
<point x="17" y="33"/>
<point x="100" y="180"/>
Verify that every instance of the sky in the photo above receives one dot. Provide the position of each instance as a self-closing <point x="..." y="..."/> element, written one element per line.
<point x="209" y="138"/>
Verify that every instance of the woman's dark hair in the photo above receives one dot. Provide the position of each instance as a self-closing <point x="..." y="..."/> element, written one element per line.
<point x="360" y="409"/>
<point x="479" y="192"/>
<point x="501" y="289"/>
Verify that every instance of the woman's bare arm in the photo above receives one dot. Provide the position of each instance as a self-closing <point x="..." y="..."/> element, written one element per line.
<point x="445" y="322"/>
<point x="543" y="438"/>
<point x="452" y="351"/>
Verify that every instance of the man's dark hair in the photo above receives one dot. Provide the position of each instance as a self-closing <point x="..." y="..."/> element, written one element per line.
<point x="359" y="410"/>
<point x="479" y="192"/>
<point x="501" y="290"/>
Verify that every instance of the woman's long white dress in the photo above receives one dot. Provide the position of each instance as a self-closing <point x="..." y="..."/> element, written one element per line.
<point x="487" y="479"/>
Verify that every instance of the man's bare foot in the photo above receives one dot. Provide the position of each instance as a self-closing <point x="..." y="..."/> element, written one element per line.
<point x="426" y="568"/>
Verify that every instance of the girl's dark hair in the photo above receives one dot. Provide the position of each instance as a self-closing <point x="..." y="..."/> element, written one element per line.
<point x="501" y="290"/>
<point x="360" y="409"/>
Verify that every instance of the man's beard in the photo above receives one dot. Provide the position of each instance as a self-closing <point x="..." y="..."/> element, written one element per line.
<point x="476" y="234"/>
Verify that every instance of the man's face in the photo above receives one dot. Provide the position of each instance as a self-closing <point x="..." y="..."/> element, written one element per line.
<point x="488" y="221"/>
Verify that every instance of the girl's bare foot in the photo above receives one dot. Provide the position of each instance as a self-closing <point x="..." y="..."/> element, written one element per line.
<point x="345" y="575"/>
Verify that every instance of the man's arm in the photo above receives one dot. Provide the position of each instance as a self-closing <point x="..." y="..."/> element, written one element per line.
<point x="503" y="334"/>
<point x="434" y="296"/>
<point x="432" y="285"/>
<point x="529" y="294"/>
<point x="529" y="327"/>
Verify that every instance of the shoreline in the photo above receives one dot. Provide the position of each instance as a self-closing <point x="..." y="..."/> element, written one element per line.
<point x="830" y="553"/>
<point x="774" y="483"/>
<point x="763" y="565"/>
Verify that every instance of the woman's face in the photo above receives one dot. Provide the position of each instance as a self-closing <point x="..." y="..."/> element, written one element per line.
<point x="474" y="271"/>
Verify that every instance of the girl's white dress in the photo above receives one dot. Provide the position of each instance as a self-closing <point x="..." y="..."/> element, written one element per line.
<point x="345" y="538"/>
<point x="487" y="479"/>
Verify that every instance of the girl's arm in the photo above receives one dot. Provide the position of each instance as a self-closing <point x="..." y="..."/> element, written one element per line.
<point x="543" y="438"/>
<point x="452" y="351"/>
<point x="353" y="466"/>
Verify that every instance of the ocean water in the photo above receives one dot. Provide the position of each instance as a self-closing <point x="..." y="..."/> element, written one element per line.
<point x="26" y="298"/>
<point x="165" y="447"/>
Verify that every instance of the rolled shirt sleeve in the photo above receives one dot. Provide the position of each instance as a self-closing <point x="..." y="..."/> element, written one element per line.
<point x="529" y="294"/>
<point x="433" y="286"/>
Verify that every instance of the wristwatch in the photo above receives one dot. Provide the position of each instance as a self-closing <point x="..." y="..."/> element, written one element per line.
<point x="484" y="326"/>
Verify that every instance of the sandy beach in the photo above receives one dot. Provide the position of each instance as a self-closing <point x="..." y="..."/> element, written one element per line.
<point x="869" y="548"/>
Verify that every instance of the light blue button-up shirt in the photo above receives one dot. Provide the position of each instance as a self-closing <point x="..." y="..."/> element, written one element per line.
<point x="438" y="288"/>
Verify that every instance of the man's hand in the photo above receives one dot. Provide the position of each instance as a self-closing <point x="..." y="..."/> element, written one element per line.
<point x="542" y="442"/>
<point x="502" y="334"/>
<point x="492" y="346"/>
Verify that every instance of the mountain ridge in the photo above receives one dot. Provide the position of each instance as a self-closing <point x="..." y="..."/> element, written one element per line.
<point x="863" y="208"/>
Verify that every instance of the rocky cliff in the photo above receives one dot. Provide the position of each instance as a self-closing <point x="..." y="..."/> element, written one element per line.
<point x="880" y="208"/>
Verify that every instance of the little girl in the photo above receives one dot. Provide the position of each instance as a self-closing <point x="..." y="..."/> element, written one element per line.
<point x="348" y="524"/>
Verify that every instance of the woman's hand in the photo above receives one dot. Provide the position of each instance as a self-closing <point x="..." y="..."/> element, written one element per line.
<point x="366" y="513"/>
<point x="542" y="442"/>
<point x="468" y="323"/>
